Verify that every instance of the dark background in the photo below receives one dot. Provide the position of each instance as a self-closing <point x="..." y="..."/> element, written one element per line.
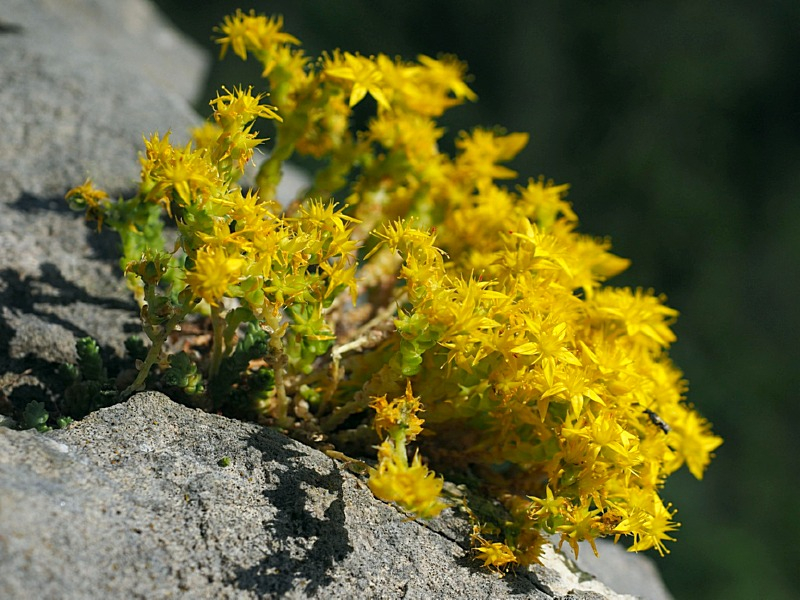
<point x="678" y="126"/>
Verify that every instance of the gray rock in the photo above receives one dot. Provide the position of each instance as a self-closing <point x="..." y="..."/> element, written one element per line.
<point x="83" y="80"/>
<point x="132" y="503"/>
<point x="622" y="572"/>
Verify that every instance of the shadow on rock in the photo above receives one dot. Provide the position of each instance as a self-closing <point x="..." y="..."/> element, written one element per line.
<point x="42" y="317"/>
<point x="105" y="244"/>
<point x="34" y="295"/>
<point x="305" y="546"/>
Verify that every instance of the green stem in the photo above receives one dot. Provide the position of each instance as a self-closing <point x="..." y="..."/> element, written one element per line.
<point x="269" y="174"/>
<point x="400" y="452"/>
<point x="330" y="178"/>
<point x="340" y="414"/>
<point x="279" y="361"/>
<point x="218" y="341"/>
<point x="153" y="354"/>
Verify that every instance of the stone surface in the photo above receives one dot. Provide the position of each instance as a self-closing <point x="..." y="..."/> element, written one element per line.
<point x="83" y="80"/>
<point x="621" y="571"/>
<point x="132" y="502"/>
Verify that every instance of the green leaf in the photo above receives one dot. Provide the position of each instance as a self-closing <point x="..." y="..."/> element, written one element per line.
<point x="89" y="361"/>
<point x="34" y="416"/>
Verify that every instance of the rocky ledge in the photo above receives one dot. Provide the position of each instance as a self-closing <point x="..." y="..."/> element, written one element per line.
<point x="136" y="501"/>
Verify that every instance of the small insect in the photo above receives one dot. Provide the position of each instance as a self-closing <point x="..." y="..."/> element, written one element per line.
<point x="657" y="421"/>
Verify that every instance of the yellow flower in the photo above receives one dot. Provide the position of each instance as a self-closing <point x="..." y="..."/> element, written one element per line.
<point x="415" y="136"/>
<point x="181" y="175"/>
<point x="243" y="32"/>
<point x="594" y="263"/>
<point x="425" y="89"/>
<point x="694" y="441"/>
<point x="91" y="199"/>
<point x="649" y="522"/>
<point x="448" y="73"/>
<point x="481" y="151"/>
<point x="495" y="554"/>
<point x="187" y="176"/>
<point x="642" y="314"/>
<point x="544" y="202"/>
<point x="414" y="488"/>
<point x="327" y="128"/>
<point x="399" y="415"/>
<point x="582" y="523"/>
<point x="213" y="271"/>
<point x="206" y="135"/>
<point x="292" y="63"/>
<point x="551" y="347"/>
<point x="364" y="74"/>
<point x="240" y="107"/>
<point x="545" y="508"/>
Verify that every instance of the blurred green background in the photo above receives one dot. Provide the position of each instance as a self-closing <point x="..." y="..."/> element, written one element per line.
<point x="678" y="126"/>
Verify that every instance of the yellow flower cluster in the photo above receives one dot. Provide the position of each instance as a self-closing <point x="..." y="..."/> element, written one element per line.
<point x="413" y="486"/>
<point x="544" y="371"/>
<point x="495" y="554"/>
<point x="236" y="242"/>
<point x="398" y="417"/>
<point x="554" y="388"/>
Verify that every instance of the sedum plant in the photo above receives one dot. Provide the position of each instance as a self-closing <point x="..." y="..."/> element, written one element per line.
<point x="406" y="296"/>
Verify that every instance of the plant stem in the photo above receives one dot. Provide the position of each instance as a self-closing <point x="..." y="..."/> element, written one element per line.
<point x="154" y="352"/>
<point x="218" y="341"/>
<point x="279" y="361"/>
<point x="359" y="403"/>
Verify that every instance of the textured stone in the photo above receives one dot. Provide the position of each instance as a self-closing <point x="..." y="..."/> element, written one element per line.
<point x="83" y="80"/>
<point x="132" y="502"/>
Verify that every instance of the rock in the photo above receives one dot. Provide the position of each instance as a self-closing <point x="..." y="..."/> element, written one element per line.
<point x="133" y="502"/>
<point x="83" y="80"/>
<point x="621" y="571"/>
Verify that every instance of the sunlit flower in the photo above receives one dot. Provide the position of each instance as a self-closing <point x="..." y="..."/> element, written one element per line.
<point x="243" y="32"/>
<point x="362" y="73"/>
<point x="213" y="272"/>
<point x="412" y="487"/>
